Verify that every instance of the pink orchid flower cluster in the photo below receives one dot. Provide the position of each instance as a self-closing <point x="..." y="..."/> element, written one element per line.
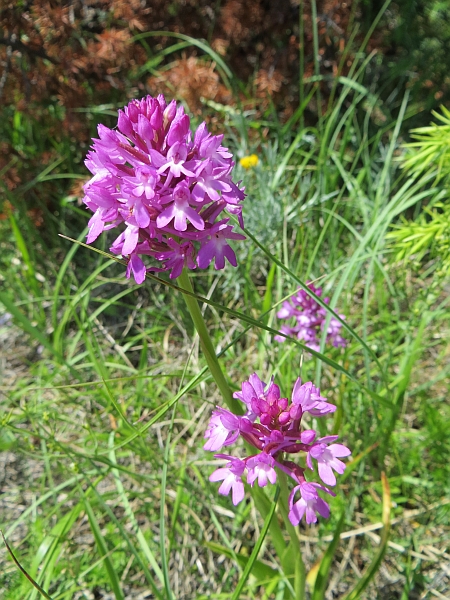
<point x="309" y="320"/>
<point x="167" y="189"/>
<point x="273" y="426"/>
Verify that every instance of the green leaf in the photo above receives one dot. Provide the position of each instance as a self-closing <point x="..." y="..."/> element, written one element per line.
<point x="370" y="573"/>
<point x="253" y="556"/>
<point x="260" y="570"/>
<point x="227" y="75"/>
<point x="19" y="566"/>
<point x="267" y="300"/>
<point x="320" y="584"/>
<point x="104" y="552"/>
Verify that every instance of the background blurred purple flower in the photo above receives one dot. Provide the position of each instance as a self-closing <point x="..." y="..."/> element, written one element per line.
<point x="166" y="191"/>
<point x="273" y="426"/>
<point x="310" y="320"/>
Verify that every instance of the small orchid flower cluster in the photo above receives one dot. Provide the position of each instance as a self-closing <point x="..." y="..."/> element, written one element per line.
<point x="273" y="426"/>
<point x="310" y="320"/>
<point x="168" y="189"/>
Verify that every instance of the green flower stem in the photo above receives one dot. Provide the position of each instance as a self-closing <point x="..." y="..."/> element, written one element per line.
<point x="294" y="556"/>
<point x="261" y="501"/>
<point x="207" y="345"/>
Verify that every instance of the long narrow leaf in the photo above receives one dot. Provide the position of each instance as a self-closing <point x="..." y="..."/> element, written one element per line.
<point x="259" y="324"/>
<point x="104" y="552"/>
<point x="201" y="44"/>
<point x="370" y="573"/>
<point x="162" y="516"/>
<point x="130" y="515"/>
<point x="256" y="549"/>
<point x="320" y="585"/>
<point x="50" y="548"/>
<point x="19" y="566"/>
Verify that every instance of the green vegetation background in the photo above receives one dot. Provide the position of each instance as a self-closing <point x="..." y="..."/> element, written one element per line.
<point x="104" y="481"/>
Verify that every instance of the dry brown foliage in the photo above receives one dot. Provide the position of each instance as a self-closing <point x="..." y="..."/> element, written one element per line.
<point x="57" y="56"/>
<point x="82" y="52"/>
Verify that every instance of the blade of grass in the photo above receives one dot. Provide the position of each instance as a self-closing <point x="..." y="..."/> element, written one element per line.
<point x="254" y="555"/>
<point x="114" y="579"/>
<point x="162" y="517"/>
<point x="47" y="554"/>
<point x="19" y="566"/>
<point x="154" y="61"/>
<point x="30" y="272"/>
<point x="178" y="498"/>
<point x="315" y="28"/>
<point x="130" y="515"/>
<point x="42" y="499"/>
<point x="61" y="274"/>
<point x="83" y="290"/>
<point x="370" y="573"/>
<point x="122" y="531"/>
<point x="321" y="581"/>
<point x="227" y="75"/>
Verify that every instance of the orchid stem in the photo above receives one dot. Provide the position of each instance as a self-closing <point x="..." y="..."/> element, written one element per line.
<point x="259" y="497"/>
<point x="294" y="546"/>
<point x="207" y="345"/>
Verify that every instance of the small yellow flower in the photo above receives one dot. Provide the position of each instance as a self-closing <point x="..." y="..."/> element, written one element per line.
<point x="249" y="161"/>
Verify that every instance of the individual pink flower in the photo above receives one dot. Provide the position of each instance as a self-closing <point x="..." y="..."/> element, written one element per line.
<point x="261" y="468"/>
<point x="308" y="504"/>
<point x="136" y="268"/>
<point x="223" y="430"/>
<point x="231" y="477"/>
<point x="328" y="458"/>
<point x="177" y="256"/>
<point x="308" y="397"/>
<point x="217" y="247"/>
<point x="179" y="210"/>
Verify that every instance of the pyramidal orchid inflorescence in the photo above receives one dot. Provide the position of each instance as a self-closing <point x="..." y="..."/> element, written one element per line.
<point x="273" y="426"/>
<point x="309" y="319"/>
<point x="165" y="188"/>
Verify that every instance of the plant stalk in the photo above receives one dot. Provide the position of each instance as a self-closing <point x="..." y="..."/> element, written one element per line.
<point x="294" y="554"/>
<point x="207" y="345"/>
<point x="259" y="497"/>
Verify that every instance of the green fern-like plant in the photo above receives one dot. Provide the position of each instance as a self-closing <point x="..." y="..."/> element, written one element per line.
<point x="428" y="236"/>
<point x="431" y="149"/>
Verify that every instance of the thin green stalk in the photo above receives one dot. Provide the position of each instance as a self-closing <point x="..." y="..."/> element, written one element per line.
<point x="207" y="345"/>
<point x="262" y="503"/>
<point x="260" y="499"/>
<point x="259" y="542"/>
<point x="293" y="549"/>
<point x="301" y="84"/>
<point x="316" y="60"/>
<point x="162" y="518"/>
